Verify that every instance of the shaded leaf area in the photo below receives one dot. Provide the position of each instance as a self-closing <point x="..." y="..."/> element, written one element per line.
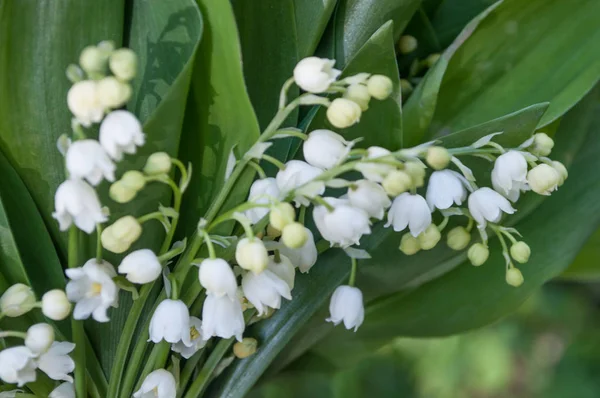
<point x="586" y="267"/>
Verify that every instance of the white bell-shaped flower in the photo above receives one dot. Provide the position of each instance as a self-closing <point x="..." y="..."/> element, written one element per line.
<point x="304" y="257"/>
<point x="76" y="202"/>
<point x="158" y="384"/>
<point x="485" y="205"/>
<point x="217" y="277"/>
<point x="222" y="317"/>
<point x="262" y="191"/>
<point x="84" y="102"/>
<point x="17" y="365"/>
<point x="346" y="306"/>
<point x="284" y="269"/>
<point x="410" y="211"/>
<point x="266" y="289"/>
<point x="170" y="322"/>
<point x="39" y="338"/>
<point x="509" y="176"/>
<point x="315" y="75"/>
<point x="369" y="196"/>
<point x="344" y="225"/>
<point x="445" y="188"/>
<point x="92" y="289"/>
<point x="196" y="339"/>
<point x="296" y="174"/>
<point x="56" y="362"/>
<point x="64" y="390"/>
<point x="325" y="149"/>
<point x="375" y="171"/>
<point x="121" y="132"/>
<point x="141" y="266"/>
<point x="86" y="159"/>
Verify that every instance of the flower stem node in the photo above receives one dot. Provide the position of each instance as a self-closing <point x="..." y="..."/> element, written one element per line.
<point x="93" y="60"/>
<point x="252" y="255"/>
<point x="458" y="238"/>
<point x="407" y="44"/>
<point x="542" y="144"/>
<point x="39" y="338"/>
<point x="543" y="179"/>
<point x="113" y="93"/>
<point x="514" y="277"/>
<point x="281" y="215"/>
<point x="123" y="63"/>
<point x="315" y="75"/>
<point x="438" y="157"/>
<point x="158" y="163"/>
<point x="245" y="348"/>
<point x="17" y="300"/>
<point x="343" y="113"/>
<point x="119" y="237"/>
<point x="56" y="305"/>
<point x="358" y="93"/>
<point x="478" y="254"/>
<point x="561" y="170"/>
<point x="294" y="235"/>
<point x="397" y="182"/>
<point x="409" y="245"/>
<point x="380" y="86"/>
<point x="429" y="238"/>
<point x="416" y="170"/>
<point x="520" y="251"/>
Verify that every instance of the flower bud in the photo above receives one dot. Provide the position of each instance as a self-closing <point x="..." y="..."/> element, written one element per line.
<point x="158" y="163"/>
<point x="358" y="93"/>
<point x="118" y="237"/>
<point x="405" y="88"/>
<point x="543" y="179"/>
<point x="478" y="254"/>
<point x="431" y="60"/>
<point x="407" y="44"/>
<point x="92" y="59"/>
<point x="123" y="63"/>
<point x="17" y="300"/>
<point x="121" y="193"/>
<point x="520" y="251"/>
<point x="380" y="86"/>
<point x="134" y="179"/>
<point x="561" y="170"/>
<point x="112" y="93"/>
<point x="252" y="255"/>
<point x="416" y="170"/>
<point x="396" y="182"/>
<point x="429" y="238"/>
<point x="458" y="238"/>
<point x="39" y="338"/>
<point x="294" y="235"/>
<point x="281" y="215"/>
<point x="514" y="277"/>
<point x="542" y="144"/>
<point x="343" y="113"/>
<point x="245" y="348"/>
<point x="55" y="305"/>
<point x="409" y="245"/>
<point x="141" y="266"/>
<point x="438" y="157"/>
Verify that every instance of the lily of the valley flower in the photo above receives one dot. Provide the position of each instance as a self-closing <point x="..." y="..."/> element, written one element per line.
<point x="410" y="211"/>
<point x="509" y="176"/>
<point x="343" y="113"/>
<point x="370" y="197"/>
<point x="375" y="171"/>
<point x="445" y="188"/>
<point x="119" y="236"/>
<point x="17" y="300"/>
<point x="346" y="306"/>
<point x="485" y="205"/>
<point x="217" y="277"/>
<point x="296" y="174"/>
<point x="344" y="225"/>
<point x="304" y="257"/>
<point x="543" y="179"/>
<point x="315" y="75"/>
<point x="86" y="159"/>
<point x="65" y="390"/>
<point x="325" y="149"/>
<point x="56" y="362"/>
<point x="92" y="289"/>
<point x="141" y="266"/>
<point x="267" y="288"/>
<point x="77" y="202"/>
<point x="251" y="255"/>
<point x="158" y="384"/>
<point x="121" y="132"/>
<point x="196" y="338"/>
<point x="84" y="102"/>
<point x="262" y="191"/>
<point x="222" y="317"/>
<point x="170" y="322"/>
<point x="17" y="365"/>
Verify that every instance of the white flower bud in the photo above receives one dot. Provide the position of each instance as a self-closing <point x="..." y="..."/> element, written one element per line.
<point x="346" y="306"/>
<point x="113" y="93"/>
<point x="438" y="157"/>
<point x="458" y="238"/>
<point x="294" y="235"/>
<point x="217" y="277"/>
<point x="281" y="215"/>
<point x="561" y="170"/>
<point x="121" y="132"/>
<point x="429" y="238"/>
<point x="245" y="348"/>
<point x="543" y="179"/>
<point x="141" y="266"/>
<point x="325" y="149"/>
<point x="343" y="113"/>
<point x="39" y="338"/>
<point x="542" y="144"/>
<point x="370" y="197"/>
<point x="315" y="75"/>
<point x="375" y="172"/>
<point x="407" y="44"/>
<point x="380" y="86"/>
<point x="514" y="277"/>
<point x="92" y="59"/>
<point x="358" y="93"/>
<point x="520" y="251"/>
<point x="86" y="159"/>
<point x="121" y="193"/>
<point x="397" y="182"/>
<point x="123" y="63"/>
<point x="409" y="245"/>
<point x="252" y="255"/>
<point x="478" y="254"/>
<point x="119" y="236"/>
<point x="56" y="305"/>
<point x="158" y="163"/>
<point x="84" y="102"/>
<point x="416" y="170"/>
<point x="17" y="300"/>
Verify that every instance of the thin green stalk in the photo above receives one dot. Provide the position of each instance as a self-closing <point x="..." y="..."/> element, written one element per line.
<point x="98" y="243"/>
<point x="10" y="333"/>
<point x="77" y="326"/>
<point x="352" y="279"/>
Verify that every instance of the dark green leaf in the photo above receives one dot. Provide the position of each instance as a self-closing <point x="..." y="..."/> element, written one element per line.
<point x="311" y="19"/>
<point x="586" y="266"/>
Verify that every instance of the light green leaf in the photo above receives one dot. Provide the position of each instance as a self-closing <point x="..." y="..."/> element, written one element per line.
<point x="586" y="266"/>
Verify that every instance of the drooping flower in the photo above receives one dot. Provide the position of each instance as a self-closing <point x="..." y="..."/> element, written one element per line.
<point x="315" y="75"/>
<point x="64" y="390"/>
<point x="344" y="225"/>
<point x="296" y="174"/>
<point x="251" y="255"/>
<point x="141" y="266"/>
<point x="410" y="211"/>
<point x="375" y="172"/>
<point x="86" y="159"/>
<point x="196" y="338"/>
<point x="485" y="205"/>
<point x="346" y="306"/>
<point x="445" y="188"/>
<point x="266" y="289"/>
<point x="509" y="176"/>
<point x="370" y="197"/>
<point x="325" y="149"/>
<point x="17" y="365"/>
<point x="543" y="179"/>
<point x="121" y="132"/>
<point x="39" y="338"/>
<point x="158" y="384"/>
<point x="76" y="201"/>
<point x="56" y="362"/>
<point x="262" y="191"/>
<point x="222" y="317"/>
<point x="305" y="257"/>
<point x="92" y="289"/>
<point x="84" y="102"/>
<point x="217" y="277"/>
<point x="170" y="322"/>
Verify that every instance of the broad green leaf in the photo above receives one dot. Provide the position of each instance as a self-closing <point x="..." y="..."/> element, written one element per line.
<point x="522" y="54"/>
<point x="311" y="20"/>
<point x="586" y="266"/>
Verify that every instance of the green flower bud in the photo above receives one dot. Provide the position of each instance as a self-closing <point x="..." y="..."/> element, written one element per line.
<point x="561" y="170"/>
<point x="123" y="64"/>
<point x="478" y="254"/>
<point x="134" y="180"/>
<point x="358" y="93"/>
<point x="458" y="238"/>
<point x="281" y="215"/>
<point x="121" y="193"/>
<point x="405" y="88"/>
<point x="409" y="245"/>
<point x="431" y="60"/>
<point x="396" y="182"/>
<point x="158" y="163"/>
<point x="520" y="251"/>
<point x="429" y="238"/>
<point x="343" y="113"/>
<point x="416" y="170"/>
<point x="438" y="157"/>
<point x="119" y="237"/>
<point x="542" y="144"/>
<point x="245" y="348"/>
<point x="92" y="59"/>
<point x="407" y="44"/>
<point x="543" y="179"/>
<point x="380" y="86"/>
<point x="514" y="277"/>
<point x="294" y="235"/>
<point x="113" y="93"/>
<point x="17" y="300"/>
